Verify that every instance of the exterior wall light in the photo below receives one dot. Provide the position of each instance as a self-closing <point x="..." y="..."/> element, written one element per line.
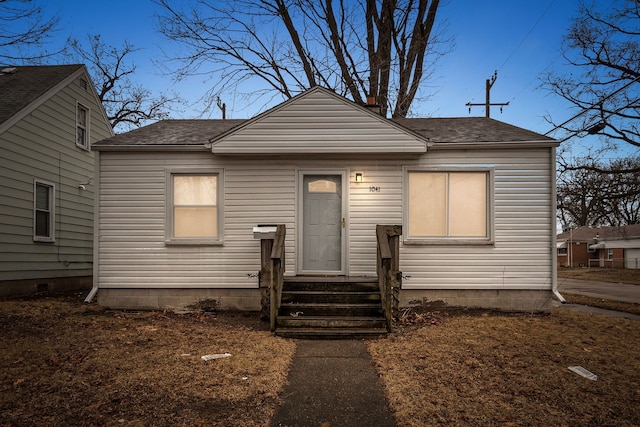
<point x="358" y="176"/>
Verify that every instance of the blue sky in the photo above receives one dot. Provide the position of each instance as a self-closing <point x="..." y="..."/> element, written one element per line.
<point x="521" y="39"/>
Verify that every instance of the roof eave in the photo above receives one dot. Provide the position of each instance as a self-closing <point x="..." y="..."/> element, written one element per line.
<point x="493" y="144"/>
<point x="140" y="147"/>
<point x="232" y="152"/>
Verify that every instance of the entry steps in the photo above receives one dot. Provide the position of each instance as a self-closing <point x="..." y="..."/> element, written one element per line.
<point x="330" y="308"/>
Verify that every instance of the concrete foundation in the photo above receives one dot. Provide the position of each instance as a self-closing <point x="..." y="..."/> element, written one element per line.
<point x="250" y="299"/>
<point x="503" y="299"/>
<point x="155" y="299"/>
<point x="14" y="288"/>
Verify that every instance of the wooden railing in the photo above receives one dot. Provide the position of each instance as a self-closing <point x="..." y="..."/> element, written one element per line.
<point x="388" y="268"/>
<point x="272" y="273"/>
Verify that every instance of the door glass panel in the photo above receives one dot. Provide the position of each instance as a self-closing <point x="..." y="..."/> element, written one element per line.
<point x="322" y="186"/>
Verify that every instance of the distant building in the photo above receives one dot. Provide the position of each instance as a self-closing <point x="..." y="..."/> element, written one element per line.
<point x="611" y="247"/>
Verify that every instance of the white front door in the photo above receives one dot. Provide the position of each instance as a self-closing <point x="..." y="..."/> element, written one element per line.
<point x="322" y="223"/>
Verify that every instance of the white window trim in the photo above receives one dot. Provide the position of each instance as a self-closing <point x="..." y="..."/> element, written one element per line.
<point x="52" y="211"/>
<point x="488" y="240"/>
<point x="85" y="146"/>
<point x="169" y="239"/>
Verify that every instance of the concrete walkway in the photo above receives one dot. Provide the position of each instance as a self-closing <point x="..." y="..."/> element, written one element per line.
<point x="333" y="384"/>
<point x="623" y="292"/>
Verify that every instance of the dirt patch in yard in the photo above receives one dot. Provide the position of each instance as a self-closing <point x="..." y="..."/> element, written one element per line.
<point x="492" y="369"/>
<point x="63" y="362"/>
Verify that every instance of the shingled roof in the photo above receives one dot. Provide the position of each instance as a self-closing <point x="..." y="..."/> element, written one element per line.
<point x="587" y="234"/>
<point x="171" y="132"/>
<point x="21" y="86"/>
<point x="435" y="130"/>
<point x="470" y="130"/>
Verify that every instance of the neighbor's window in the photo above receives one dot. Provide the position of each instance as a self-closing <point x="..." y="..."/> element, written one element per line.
<point x="195" y="210"/>
<point x="82" y="126"/>
<point x="43" y="211"/>
<point x="609" y="254"/>
<point x="448" y="206"/>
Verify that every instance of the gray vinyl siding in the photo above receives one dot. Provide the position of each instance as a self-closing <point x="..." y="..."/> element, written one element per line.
<point x="42" y="146"/>
<point x="326" y="123"/>
<point x="133" y="254"/>
<point x="521" y="257"/>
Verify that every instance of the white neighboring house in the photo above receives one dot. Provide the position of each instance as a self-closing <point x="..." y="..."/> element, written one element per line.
<point x="178" y="200"/>
<point x="49" y="117"/>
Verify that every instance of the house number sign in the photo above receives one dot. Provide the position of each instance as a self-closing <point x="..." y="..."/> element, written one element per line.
<point x="374" y="189"/>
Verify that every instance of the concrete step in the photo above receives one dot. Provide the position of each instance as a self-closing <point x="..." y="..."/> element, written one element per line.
<point x="324" y="284"/>
<point x="323" y="296"/>
<point x="331" y="333"/>
<point x="347" y="322"/>
<point x="331" y="309"/>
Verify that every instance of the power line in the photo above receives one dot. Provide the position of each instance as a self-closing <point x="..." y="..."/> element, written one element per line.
<point x="520" y="45"/>
<point x="527" y="35"/>
<point x="584" y="110"/>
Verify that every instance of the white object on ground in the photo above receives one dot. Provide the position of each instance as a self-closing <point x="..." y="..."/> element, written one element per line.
<point x="583" y="372"/>
<point x="215" y="356"/>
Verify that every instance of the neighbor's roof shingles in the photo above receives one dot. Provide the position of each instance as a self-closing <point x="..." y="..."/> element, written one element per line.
<point x="586" y="233"/>
<point x="18" y="89"/>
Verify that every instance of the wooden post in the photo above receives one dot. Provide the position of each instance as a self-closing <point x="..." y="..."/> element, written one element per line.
<point x="266" y="245"/>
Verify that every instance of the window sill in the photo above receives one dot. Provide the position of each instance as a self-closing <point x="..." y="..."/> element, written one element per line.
<point x="193" y="242"/>
<point x="448" y="242"/>
<point x="44" y="239"/>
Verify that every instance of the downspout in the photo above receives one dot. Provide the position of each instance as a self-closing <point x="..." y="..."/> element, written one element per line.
<point x="554" y="231"/>
<point x="96" y="228"/>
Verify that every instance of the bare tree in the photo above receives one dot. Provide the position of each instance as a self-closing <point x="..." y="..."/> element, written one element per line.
<point x="126" y="103"/>
<point x="603" y="46"/>
<point x="24" y="30"/>
<point x="597" y="194"/>
<point x="367" y="48"/>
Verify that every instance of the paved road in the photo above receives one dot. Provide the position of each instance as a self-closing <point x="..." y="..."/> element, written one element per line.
<point x="605" y="290"/>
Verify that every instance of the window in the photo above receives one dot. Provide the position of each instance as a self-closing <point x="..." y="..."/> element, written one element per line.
<point x="43" y="211"/>
<point x="82" y="126"/>
<point x="562" y="251"/>
<point x="448" y="207"/>
<point x="194" y="213"/>
<point x="609" y="254"/>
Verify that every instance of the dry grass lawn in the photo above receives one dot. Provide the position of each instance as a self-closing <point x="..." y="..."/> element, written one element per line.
<point x="494" y="369"/>
<point x="616" y="275"/>
<point x="63" y="362"/>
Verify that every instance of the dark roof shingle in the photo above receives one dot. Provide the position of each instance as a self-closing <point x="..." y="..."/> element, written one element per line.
<point x="587" y="234"/>
<point x="445" y="130"/>
<point x="24" y="85"/>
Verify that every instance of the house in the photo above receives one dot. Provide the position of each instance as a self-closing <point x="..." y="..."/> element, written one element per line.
<point x="178" y="202"/>
<point x="49" y="117"/>
<point x="610" y="247"/>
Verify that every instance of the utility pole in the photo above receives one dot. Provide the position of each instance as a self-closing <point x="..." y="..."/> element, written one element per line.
<point x="223" y="107"/>
<point x="487" y="105"/>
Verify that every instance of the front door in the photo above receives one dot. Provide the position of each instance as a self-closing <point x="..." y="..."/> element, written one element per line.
<point x="322" y="223"/>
